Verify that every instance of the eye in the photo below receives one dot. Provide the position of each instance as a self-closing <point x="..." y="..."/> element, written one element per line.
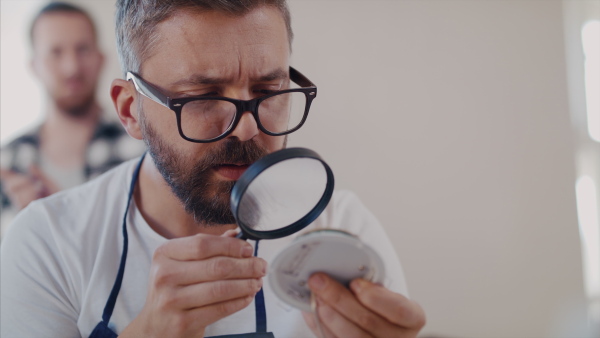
<point x="56" y="52"/>
<point x="196" y="94"/>
<point x="82" y="50"/>
<point x="267" y="88"/>
<point x="265" y="91"/>
<point x="213" y="93"/>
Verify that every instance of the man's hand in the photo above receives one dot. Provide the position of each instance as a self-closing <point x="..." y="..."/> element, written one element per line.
<point x="23" y="189"/>
<point x="195" y="281"/>
<point x="367" y="310"/>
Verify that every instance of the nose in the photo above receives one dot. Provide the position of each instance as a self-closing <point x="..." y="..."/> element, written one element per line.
<point x="70" y="64"/>
<point x="246" y="129"/>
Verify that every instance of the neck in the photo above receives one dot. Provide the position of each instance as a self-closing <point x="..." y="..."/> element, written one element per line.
<point x="58" y="118"/>
<point x="162" y="209"/>
<point x="64" y="138"/>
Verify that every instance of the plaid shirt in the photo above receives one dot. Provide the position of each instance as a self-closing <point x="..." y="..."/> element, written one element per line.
<point x="110" y="145"/>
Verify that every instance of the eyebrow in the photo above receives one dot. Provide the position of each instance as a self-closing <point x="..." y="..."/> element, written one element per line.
<point x="199" y="79"/>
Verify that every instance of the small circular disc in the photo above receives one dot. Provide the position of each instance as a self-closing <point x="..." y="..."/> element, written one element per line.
<point x="339" y="254"/>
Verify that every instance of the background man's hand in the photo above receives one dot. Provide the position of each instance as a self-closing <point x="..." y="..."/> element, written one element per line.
<point x="23" y="189"/>
<point x="195" y="281"/>
<point x="366" y="310"/>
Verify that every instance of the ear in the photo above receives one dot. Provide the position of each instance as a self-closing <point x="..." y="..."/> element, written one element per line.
<point x="123" y="95"/>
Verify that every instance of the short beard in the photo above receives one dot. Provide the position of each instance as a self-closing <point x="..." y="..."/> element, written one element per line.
<point x="205" y="198"/>
<point x="79" y="109"/>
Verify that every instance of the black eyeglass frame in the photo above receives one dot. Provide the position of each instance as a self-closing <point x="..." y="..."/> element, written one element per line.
<point x="176" y="104"/>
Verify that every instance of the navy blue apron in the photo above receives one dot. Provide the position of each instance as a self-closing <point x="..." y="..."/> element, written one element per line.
<point x="103" y="331"/>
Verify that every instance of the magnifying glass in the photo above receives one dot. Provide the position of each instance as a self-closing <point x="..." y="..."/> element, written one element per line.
<point x="281" y="194"/>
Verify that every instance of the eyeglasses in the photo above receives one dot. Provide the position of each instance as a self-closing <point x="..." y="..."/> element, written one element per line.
<point x="204" y="119"/>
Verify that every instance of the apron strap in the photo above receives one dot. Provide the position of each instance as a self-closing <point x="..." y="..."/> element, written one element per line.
<point x="103" y="331"/>
<point x="112" y="299"/>
<point x="259" y="304"/>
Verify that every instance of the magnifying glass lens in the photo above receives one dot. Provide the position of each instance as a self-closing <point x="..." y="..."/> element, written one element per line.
<point x="283" y="194"/>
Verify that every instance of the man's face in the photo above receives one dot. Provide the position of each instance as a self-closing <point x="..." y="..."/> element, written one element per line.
<point x="221" y="55"/>
<point x="67" y="60"/>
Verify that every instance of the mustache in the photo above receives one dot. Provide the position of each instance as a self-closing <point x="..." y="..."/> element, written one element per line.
<point x="232" y="151"/>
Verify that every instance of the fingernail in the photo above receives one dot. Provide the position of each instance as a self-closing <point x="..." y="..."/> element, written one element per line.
<point x="247" y="251"/>
<point x="264" y="268"/>
<point x="317" y="282"/>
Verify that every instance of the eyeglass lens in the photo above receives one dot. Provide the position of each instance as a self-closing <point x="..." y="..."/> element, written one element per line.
<point x="207" y="119"/>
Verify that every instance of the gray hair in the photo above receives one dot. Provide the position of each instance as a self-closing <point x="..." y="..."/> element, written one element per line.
<point x="136" y="22"/>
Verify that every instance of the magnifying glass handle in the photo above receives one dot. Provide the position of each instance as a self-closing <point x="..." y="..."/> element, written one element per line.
<point x="241" y="235"/>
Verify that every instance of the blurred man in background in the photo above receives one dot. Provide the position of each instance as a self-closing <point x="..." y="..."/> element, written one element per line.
<point x="74" y="143"/>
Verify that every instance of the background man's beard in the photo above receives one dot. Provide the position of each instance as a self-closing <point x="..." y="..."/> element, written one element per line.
<point x="202" y="195"/>
<point x="77" y="108"/>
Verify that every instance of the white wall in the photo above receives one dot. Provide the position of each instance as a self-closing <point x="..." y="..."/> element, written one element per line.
<point x="450" y="120"/>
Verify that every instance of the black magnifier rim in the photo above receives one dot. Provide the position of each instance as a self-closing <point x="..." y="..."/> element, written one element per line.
<point x="261" y="165"/>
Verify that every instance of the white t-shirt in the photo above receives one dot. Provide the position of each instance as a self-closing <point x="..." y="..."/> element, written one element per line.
<point x="60" y="258"/>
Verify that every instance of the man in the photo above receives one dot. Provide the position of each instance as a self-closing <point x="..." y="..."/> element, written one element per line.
<point x="147" y="250"/>
<point x="74" y="143"/>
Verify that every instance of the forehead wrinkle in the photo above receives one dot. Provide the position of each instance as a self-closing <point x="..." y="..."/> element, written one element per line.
<point x="201" y="79"/>
<point x="213" y="70"/>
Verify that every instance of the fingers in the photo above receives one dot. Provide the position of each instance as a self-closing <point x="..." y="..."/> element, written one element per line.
<point x="197" y="280"/>
<point x="217" y="292"/>
<point x="211" y="313"/>
<point x="392" y="306"/>
<point x="230" y="233"/>
<point x="21" y="189"/>
<point x="169" y="272"/>
<point x="317" y="328"/>
<point x="367" y="309"/>
<point x="201" y="246"/>
<point x="342" y="310"/>
<point x="204" y="258"/>
<point x="330" y="321"/>
<point x="333" y="321"/>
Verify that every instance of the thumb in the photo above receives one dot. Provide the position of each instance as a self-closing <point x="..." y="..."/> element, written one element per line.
<point x="230" y="233"/>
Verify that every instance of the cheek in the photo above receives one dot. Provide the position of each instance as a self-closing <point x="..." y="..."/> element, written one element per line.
<point x="272" y="143"/>
<point x="92" y="68"/>
<point x="48" y="71"/>
<point x="163" y="122"/>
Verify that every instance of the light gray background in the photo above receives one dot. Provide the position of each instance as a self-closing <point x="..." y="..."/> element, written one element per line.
<point x="450" y="120"/>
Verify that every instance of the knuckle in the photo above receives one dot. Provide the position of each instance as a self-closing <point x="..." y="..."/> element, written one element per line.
<point x="221" y="268"/>
<point x="333" y="294"/>
<point x="367" y="296"/>
<point x="258" y="266"/>
<point x="158" y="253"/>
<point x="326" y="313"/>
<point x="218" y="290"/>
<point x="233" y="247"/>
<point x="201" y="246"/>
<point x="226" y="308"/>
<point x="368" y="322"/>
<point x="162" y="274"/>
<point x="167" y="300"/>
<point x="255" y="285"/>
